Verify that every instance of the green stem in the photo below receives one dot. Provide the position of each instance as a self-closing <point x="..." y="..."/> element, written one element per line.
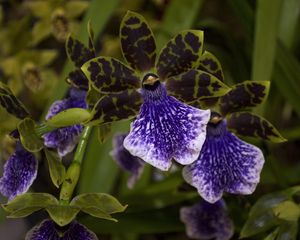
<point x="73" y="171"/>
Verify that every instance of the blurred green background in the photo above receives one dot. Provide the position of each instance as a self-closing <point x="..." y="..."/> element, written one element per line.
<point x="254" y="40"/>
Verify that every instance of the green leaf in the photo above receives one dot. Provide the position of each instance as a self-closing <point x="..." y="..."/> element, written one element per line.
<point x="25" y="204"/>
<point x="288" y="231"/>
<point x="62" y="215"/>
<point x="29" y="139"/>
<point x="76" y="8"/>
<point x="77" y="52"/>
<point x="115" y="107"/>
<point x="208" y="62"/>
<point x="56" y="168"/>
<point x="99" y="205"/>
<point x="261" y="217"/>
<point x="137" y="41"/>
<point x="251" y="125"/>
<point x="287" y="210"/>
<point x="180" y="54"/>
<point x="108" y="74"/>
<point x="103" y="132"/>
<point x="195" y="85"/>
<point x="247" y="94"/>
<point x="69" y="117"/>
<point x="266" y="28"/>
<point x="11" y="104"/>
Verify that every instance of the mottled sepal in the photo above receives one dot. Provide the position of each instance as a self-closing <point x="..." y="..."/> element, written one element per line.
<point x="225" y="164"/>
<point x="137" y="41"/>
<point x="108" y="74"/>
<point x="166" y="129"/>
<point x="209" y="63"/>
<point x="116" y="106"/>
<point x="78" y="80"/>
<point x="251" y="125"/>
<point x="126" y="161"/>
<point x="11" y="104"/>
<point x="19" y="172"/>
<point x="195" y="85"/>
<point x="29" y="139"/>
<point x="78" y="52"/>
<point x="180" y="54"/>
<point x="104" y="132"/>
<point x="245" y="95"/>
<point x="47" y="230"/>
<point x="207" y="221"/>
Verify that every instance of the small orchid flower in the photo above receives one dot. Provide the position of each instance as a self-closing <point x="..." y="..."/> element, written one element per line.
<point x="165" y="128"/>
<point x="20" y="171"/>
<point x="225" y="164"/>
<point x="48" y="230"/>
<point x="125" y="160"/>
<point x="65" y="139"/>
<point x="207" y="221"/>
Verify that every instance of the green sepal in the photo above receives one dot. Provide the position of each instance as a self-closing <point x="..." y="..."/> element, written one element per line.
<point x="28" y="136"/>
<point x="77" y="52"/>
<point x="251" y="125"/>
<point x="261" y="217"/>
<point x="69" y="117"/>
<point x="209" y="63"/>
<point x="180" y="54"/>
<point x="115" y="107"/>
<point x="56" y="168"/>
<point x="100" y="205"/>
<point x="287" y="210"/>
<point x="103" y="132"/>
<point x="25" y="204"/>
<point x="195" y="85"/>
<point x="108" y="74"/>
<point x="137" y="42"/>
<point x="11" y="104"/>
<point x="243" y="96"/>
<point x="62" y="214"/>
<point x="287" y="230"/>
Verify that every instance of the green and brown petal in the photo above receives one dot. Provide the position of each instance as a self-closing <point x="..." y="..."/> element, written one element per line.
<point x="11" y="104"/>
<point x="78" y="52"/>
<point x="244" y="95"/>
<point x="180" y="54"/>
<point x="116" y="106"/>
<point x="208" y="62"/>
<point x="108" y="74"/>
<point x="195" y="85"/>
<point x="251" y="125"/>
<point x="78" y="80"/>
<point x="137" y="41"/>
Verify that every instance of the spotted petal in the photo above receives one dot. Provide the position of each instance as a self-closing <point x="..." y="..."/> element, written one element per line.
<point x="209" y="63"/>
<point x="245" y="95"/>
<point x="226" y="164"/>
<point x="116" y="106"/>
<point x="47" y="230"/>
<point x="110" y="75"/>
<point x="137" y="41"/>
<point x="20" y="171"/>
<point x="180" y="54"/>
<point x="125" y="160"/>
<point x="195" y="85"/>
<point x="77" y="79"/>
<point x="167" y="128"/>
<point x="207" y="221"/>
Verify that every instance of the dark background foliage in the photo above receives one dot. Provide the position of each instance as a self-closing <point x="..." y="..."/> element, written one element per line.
<point x="254" y="40"/>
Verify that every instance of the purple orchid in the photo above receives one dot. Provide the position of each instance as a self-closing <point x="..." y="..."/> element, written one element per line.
<point x="20" y="171"/>
<point x="65" y="139"/>
<point x="126" y="161"/>
<point x="48" y="230"/>
<point x="207" y="221"/>
<point x="225" y="164"/>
